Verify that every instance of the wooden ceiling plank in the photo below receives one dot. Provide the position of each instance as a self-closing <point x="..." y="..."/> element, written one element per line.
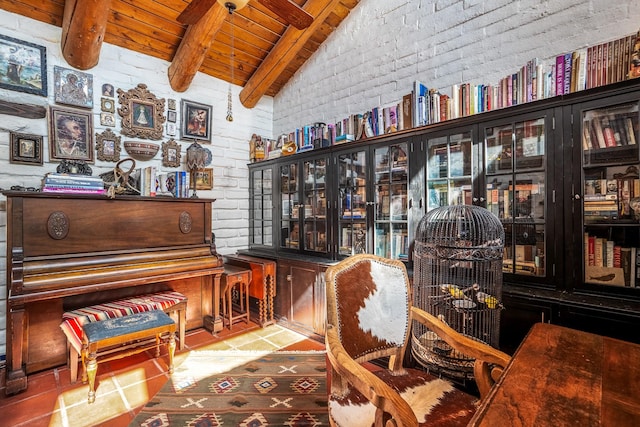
<point x="84" y="23"/>
<point x="194" y="47"/>
<point x="283" y="52"/>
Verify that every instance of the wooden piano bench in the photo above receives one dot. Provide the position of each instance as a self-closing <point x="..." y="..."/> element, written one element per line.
<point x="104" y="339"/>
<point x="74" y="321"/>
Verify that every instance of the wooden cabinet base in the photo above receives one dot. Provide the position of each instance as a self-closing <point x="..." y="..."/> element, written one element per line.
<point x="212" y="324"/>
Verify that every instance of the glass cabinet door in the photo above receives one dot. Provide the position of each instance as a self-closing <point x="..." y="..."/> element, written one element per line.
<point x="261" y="231"/>
<point x="611" y="196"/>
<point x="449" y="170"/>
<point x="515" y="181"/>
<point x="352" y="203"/>
<point x="314" y="209"/>
<point x="391" y="239"/>
<point x="290" y="206"/>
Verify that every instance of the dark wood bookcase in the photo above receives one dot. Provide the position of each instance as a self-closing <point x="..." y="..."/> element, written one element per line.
<point x="533" y="165"/>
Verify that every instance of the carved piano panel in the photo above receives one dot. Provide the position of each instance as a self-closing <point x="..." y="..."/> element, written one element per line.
<point x="68" y="251"/>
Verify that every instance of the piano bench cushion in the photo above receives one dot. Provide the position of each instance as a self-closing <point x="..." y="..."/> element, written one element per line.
<point x="73" y="321"/>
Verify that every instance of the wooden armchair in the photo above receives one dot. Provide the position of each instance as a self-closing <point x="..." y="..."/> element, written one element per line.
<point x="369" y="314"/>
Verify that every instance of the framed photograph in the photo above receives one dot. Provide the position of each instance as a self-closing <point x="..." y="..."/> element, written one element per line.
<point x="172" y="116"/>
<point x="108" y="146"/>
<point x="73" y="87"/>
<point x="107" y="90"/>
<point x="171" y="104"/>
<point x="107" y="105"/>
<point x="70" y="134"/>
<point x="196" y="121"/>
<point x="107" y="119"/>
<point x="172" y="129"/>
<point x="26" y="149"/>
<point x="24" y="66"/>
<point x="204" y="179"/>
<point x="142" y="113"/>
<point x="171" y="154"/>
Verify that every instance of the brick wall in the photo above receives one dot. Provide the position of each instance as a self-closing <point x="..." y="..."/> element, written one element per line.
<point x="373" y="58"/>
<point x="125" y="69"/>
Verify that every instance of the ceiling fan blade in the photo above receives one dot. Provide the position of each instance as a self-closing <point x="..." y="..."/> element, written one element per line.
<point x="290" y="12"/>
<point x="194" y="11"/>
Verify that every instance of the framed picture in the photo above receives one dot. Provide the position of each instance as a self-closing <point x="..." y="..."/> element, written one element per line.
<point x="108" y="146"/>
<point x="171" y="129"/>
<point x="196" y="121"/>
<point x="73" y="87"/>
<point x="70" y="134"/>
<point x="107" y="90"/>
<point x="107" y="119"/>
<point x="172" y="116"/>
<point x="26" y="149"/>
<point x="204" y="179"/>
<point x="24" y="66"/>
<point x="171" y="154"/>
<point x="142" y="113"/>
<point x="106" y="105"/>
<point x="171" y="104"/>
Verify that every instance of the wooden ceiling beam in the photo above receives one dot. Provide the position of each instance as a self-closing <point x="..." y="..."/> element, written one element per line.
<point x="84" y="23"/>
<point x="194" y="46"/>
<point x="291" y="42"/>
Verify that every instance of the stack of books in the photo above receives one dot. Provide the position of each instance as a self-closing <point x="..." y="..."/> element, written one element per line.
<point x="72" y="183"/>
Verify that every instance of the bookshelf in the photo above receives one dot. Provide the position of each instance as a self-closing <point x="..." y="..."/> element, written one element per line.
<point x="533" y="165"/>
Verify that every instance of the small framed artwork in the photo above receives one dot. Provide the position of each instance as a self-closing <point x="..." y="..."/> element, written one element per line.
<point x="171" y="154"/>
<point x="73" y="87"/>
<point x="142" y="113"/>
<point x="107" y="119"/>
<point x="204" y="179"/>
<point x="108" y="146"/>
<point x="24" y="66"/>
<point x="107" y="90"/>
<point x="26" y="149"/>
<point x="107" y="105"/>
<point x="70" y="134"/>
<point x="171" y="129"/>
<point x="172" y="116"/>
<point x="196" y="121"/>
<point x="171" y="104"/>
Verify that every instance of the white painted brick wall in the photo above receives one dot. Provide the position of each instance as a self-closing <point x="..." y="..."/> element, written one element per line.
<point x="125" y="69"/>
<point x="377" y="53"/>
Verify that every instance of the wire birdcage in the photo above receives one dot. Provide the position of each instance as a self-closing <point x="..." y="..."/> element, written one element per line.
<point x="457" y="277"/>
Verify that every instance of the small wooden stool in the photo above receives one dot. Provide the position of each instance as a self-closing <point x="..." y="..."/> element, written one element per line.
<point x="239" y="278"/>
<point x="108" y="333"/>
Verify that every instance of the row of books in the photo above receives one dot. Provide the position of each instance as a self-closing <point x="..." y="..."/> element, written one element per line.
<point x="72" y="183"/>
<point x="585" y="68"/>
<point x="609" y="199"/>
<point x="609" y="263"/>
<point x="615" y="128"/>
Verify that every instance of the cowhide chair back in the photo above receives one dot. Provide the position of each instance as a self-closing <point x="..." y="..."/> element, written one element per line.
<point x="369" y="316"/>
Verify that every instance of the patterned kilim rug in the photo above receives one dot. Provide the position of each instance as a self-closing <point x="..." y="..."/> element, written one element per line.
<point x="239" y="388"/>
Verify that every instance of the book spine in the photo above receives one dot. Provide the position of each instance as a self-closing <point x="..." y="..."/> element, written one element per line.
<point x="73" y="190"/>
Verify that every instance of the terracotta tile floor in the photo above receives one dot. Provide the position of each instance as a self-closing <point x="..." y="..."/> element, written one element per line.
<point x="125" y="385"/>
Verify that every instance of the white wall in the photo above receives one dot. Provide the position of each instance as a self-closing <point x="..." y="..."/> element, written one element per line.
<point x="373" y="58"/>
<point x="125" y="69"/>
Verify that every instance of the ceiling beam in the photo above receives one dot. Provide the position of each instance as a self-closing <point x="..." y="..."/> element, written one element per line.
<point x="84" y="23"/>
<point x="292" y="41"/>
<point x="194" y="46"/>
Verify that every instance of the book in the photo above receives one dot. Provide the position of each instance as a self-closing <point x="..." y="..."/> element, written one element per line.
<point x="73" y="190"/>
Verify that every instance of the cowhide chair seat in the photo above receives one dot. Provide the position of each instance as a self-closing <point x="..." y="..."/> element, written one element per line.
<point x="369" y="315"/>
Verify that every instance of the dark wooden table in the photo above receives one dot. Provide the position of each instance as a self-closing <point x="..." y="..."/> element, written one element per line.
<point x="565" y="377"/>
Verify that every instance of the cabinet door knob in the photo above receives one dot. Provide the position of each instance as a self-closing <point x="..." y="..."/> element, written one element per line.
<point x="289" y="278"/>
<point x="577" y="197"/>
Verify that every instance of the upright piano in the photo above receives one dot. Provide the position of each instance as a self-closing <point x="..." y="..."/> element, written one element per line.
<point x="68" y="251"/>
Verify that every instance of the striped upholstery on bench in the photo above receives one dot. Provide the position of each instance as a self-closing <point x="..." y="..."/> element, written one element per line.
<point x="73" y="320"/>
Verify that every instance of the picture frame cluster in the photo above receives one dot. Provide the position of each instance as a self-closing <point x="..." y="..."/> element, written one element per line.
<point x="135" y="112"/>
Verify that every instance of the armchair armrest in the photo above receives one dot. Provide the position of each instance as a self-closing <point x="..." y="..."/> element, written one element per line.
<point x="383" y="397"/>
<point x="489" y="363"/>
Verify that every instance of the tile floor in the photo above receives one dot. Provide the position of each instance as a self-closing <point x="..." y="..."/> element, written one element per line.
<point x="125" y="385"/>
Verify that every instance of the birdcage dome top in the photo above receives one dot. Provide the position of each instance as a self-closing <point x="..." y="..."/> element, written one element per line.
<point x="460" y="226"/>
